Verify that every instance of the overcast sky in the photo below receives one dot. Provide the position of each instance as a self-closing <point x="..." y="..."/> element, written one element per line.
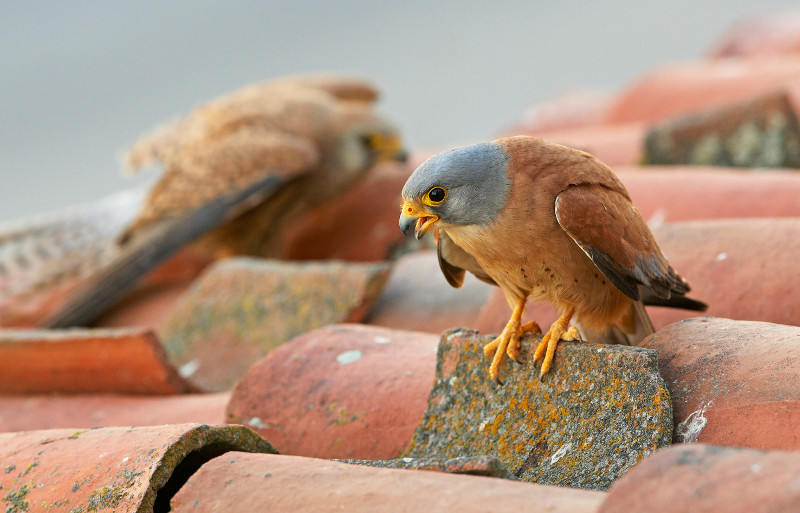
<point x="82" y="80"/>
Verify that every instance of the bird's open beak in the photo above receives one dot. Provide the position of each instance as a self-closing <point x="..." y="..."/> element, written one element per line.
<point x="422" y="220"/>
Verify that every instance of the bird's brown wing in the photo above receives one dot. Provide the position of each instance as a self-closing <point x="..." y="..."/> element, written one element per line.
<point x="295" y="104"/>
<point x="342" y="87"/>
<point x="612" y="232"/>
<point x="454" y="261"/>
<point x="213" y="169"/>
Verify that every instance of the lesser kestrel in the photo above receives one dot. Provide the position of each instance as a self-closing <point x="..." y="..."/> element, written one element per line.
<point x="549" y="223"/>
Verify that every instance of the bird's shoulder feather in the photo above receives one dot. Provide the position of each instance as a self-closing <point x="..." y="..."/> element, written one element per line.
<point x="611" y="231"/>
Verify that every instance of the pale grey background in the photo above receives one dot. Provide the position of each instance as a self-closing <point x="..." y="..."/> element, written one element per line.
<point x="80" y="80"/>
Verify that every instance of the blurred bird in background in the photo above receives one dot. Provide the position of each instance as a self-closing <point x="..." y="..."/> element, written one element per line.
<point x="238" y="172"/>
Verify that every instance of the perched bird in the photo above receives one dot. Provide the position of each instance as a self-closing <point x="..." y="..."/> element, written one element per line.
<point x="324" y="126"/>
<point x="238" y="171"/>
<point x="546" y="222"/>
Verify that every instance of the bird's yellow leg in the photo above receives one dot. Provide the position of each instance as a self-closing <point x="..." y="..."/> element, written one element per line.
<point x="558" y="331"/>
<point x="508" y="341"/>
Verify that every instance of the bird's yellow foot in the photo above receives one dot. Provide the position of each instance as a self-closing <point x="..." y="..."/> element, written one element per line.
<point x="547" y="347"/>
<point x="508" y="343"/>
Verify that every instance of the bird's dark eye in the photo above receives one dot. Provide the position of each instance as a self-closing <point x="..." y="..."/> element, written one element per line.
<point x="368" y="140"/>
<point x="437" y="195"/>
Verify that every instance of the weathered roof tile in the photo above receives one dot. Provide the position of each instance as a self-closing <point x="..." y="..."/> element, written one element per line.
<point x="345" y="391"/>
<point x="241" y="308"/>
<point x="598" y="411"/>
<point x="417" y="297"/>
<point x="249" y="482"/>
<point x="83" y="360"/>
<point x="705" y="478"/>
<point x="49" y="411"/>
<point x="119" y="469"/>
<point x="732" y="382"/>
<point x="759" y="132"/>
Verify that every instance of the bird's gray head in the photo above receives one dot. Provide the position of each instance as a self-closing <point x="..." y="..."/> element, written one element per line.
<point x="461" y="186"/>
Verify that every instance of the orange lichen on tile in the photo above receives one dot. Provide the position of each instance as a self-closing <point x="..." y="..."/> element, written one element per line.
<point x="602" y="409"/>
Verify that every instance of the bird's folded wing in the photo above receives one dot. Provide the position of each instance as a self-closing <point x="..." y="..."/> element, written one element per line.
<point x="453" y="261"/>
<point x="342" y="87"/>
<point x="199" y="174"/>
<point x="609" y="229"/>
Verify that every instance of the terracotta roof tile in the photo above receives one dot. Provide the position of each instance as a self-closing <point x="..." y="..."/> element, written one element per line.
<point x="248" y="482"/>
<point x="118" y="469"/>
<point x="417" y="297"/>
<point x="732" y="382"/>
<point x="705" y="478"/>
<point x="597" y="412"/>
<point x="120" y="360"/>
<point x="240" y="308"/>
<point x="30" y="412"/>
<point x="761" y="35"/>
<point x="687" y="87"/>
<point x="346" y="391"/>
<point x="745" y="269"/>
<point x="616" y="144"/>
<point x="571" y="109"/>
<point x="685" y="193"/>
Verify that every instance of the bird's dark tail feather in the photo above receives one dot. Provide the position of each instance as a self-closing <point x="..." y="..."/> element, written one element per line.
<point x="142" y="254"/>
<point x="675" y="301"/>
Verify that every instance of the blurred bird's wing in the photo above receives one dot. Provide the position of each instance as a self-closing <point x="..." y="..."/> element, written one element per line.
<point x="453" y="261"/>
<point x="212" y="169"/>
<point x="150" y="248"/>
<point x="66" y="268"/>
<point x="264" y="104"/>
<point x="341" y="87"/>
<point x="44" y="257"/>
<point x="611" y="231"/>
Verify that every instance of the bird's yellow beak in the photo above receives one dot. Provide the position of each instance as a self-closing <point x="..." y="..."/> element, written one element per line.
<point x="387" y="148"/>
<point x="412" y="215"/>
